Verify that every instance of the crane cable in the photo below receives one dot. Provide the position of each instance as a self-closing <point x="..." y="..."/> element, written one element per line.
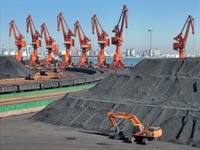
<point x="193" y="46"/>
<point x="126" y="41"/>
<point x="58" y="39"/>
<point x="28" y="48"/>
<point x="92" y="47"/>
<point x="9" y="42"/>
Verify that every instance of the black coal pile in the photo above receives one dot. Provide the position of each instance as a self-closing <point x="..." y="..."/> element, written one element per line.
<point x="160" y="92"/>
<point x="12" y="68"/>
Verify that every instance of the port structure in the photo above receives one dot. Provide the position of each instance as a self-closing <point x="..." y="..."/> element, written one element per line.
<point x="83" y="40"/>
<point x="35" y="35"/>
<point x="68" y="42"/>
<point x="181" y="41"/>
<point x="49" y="46"/>
<point x="19" y="42"/>
<point x="118" y="38"/>
<point x="102" y="41"/>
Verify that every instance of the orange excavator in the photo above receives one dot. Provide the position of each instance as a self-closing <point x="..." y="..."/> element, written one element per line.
<point x="140" y="133"/>
<point x="49" y="45"/>
<point x="83" y="40"/>
<point x="35" y="41"/>
<point x="181" y="41"/>
<point x="19" y="42"/>
<point x="68" y="42"/>
<point x="118" y="38"/>
<point x="102" y="41"/>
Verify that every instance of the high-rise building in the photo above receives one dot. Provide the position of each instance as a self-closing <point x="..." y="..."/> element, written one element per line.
<point x="157" y="52"/>
<point x="132" y="53"/>
<point x="127" y="53"/>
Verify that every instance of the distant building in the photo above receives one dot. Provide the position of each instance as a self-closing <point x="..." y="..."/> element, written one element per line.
<point x="127" y="54"/>
<point x="132" y="53"/>
<point x="106" y="53"/>
<point x="5" y="52"/>
<point x="12" y="52"/>
<point x="157" y="52"/>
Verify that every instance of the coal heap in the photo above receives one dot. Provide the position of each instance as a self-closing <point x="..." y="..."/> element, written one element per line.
<point x="160" y="92"/>
<point x="12" y="68"/>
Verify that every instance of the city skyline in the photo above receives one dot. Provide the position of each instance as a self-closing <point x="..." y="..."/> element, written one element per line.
<point x="163" y="17"/>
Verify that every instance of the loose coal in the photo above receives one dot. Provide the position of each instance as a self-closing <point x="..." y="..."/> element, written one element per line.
<point x="160" y="92"/>
<point x="12" y="68"/>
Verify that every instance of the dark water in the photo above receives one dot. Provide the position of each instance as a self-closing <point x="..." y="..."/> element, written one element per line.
<point x="128" y="61"/>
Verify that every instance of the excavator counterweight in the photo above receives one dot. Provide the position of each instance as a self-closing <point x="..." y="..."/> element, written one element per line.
<point x="143" y="134"/>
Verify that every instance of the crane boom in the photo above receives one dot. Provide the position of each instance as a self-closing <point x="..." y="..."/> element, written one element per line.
<point x="181" y="41"/>
<point x="68" y="42"/>
<point x="19" y="42"/>
<point x="35" y="40"/>
<point x="118" y="38"/>
<point x="83" y="40"/>
<point x="102" y="40"/>
<point x="49" y="44"/>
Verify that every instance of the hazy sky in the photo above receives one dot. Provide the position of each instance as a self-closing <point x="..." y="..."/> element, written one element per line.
<point x="165" y="17"/>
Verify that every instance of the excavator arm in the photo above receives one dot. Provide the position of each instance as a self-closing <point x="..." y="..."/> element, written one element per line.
<point x="123" y="115"/>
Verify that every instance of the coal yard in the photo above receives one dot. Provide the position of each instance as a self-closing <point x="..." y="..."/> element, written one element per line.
<point x="166" y="96"/>
<point x="160" y="92"/>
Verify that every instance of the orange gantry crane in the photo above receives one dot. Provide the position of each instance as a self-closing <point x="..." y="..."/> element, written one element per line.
<point x="68" y="42"/>
<point x="118" y="38"/>
<point x="181" y="41"/>
<point x="83" y="40"/>
<point x="139" y="133"/>
<point x="102" y="41"/>
<point x="49" y="45"/>
<point x="19" y="42"/>
<point x="35" y="41"/>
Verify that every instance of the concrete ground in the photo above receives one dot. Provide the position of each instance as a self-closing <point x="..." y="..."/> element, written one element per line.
<point x="21" y="133"/>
